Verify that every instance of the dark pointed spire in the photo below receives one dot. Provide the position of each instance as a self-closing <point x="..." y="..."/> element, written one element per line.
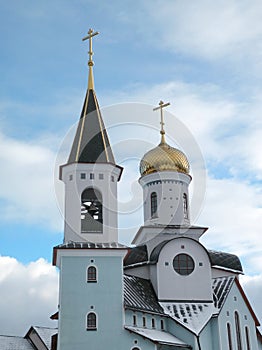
<point x="91" y="143"/>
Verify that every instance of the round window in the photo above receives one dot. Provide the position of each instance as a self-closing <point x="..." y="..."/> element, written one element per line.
<point x="183" y="264"/>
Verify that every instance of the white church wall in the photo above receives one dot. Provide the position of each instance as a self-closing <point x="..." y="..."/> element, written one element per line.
<point x="235" y="303"/>
<point x="206" y="338"/>
<point x="215" y="335"/>
<point x="181" y="332"/>
<point x="174" y="286"/>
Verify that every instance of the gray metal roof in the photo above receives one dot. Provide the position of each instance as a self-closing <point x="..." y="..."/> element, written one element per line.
<point x="139" y="295"/>
<point x="227" y="260"/>
<point x="136" y="255"/>
<point x="221" y="287"/>
<point x="156" y="251"/>
<point x="192" y="315"/>
<point x="90" y="245"/>
<point x="159" y="337"/>
<point x="14" y="343"/>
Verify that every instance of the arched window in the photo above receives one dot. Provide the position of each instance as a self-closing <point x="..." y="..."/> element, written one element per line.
<point x="247" y="338"/>
<point x="134" y="320"/>
<point x="185" y="206"/>
<point x="91" y="211"/>
<point x="153" y="204"/>
<point x="153" y="323"/>
<point x="91" y="274"/>
<point x="229" y="337"/>
<point x="238" y="331"/>
<point x="91" y="322"/>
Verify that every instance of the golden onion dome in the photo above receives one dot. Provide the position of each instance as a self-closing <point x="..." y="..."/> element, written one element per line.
<point x="164" y="158"/>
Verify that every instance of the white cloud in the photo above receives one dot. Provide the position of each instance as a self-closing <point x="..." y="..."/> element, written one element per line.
<point x="233" y="213"/>
<point x="28" y="295"/>
<point x="227" y="130"/>
<point x="208" y="29"/>
<point x="27" y="190"/>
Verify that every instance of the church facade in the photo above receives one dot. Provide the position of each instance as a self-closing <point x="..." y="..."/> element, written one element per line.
<point x="166" y="291"/>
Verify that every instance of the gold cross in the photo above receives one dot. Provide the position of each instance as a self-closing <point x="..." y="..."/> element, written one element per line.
<point x="90" y="35"/>
<point x="161" y="106"/>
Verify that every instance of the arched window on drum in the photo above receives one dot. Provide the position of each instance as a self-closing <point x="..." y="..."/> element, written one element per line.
<point x="153" y="201"/>
<point x="185" y="206"/>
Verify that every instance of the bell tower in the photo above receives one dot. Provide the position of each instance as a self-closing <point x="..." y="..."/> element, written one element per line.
<point x="90" y="174"/>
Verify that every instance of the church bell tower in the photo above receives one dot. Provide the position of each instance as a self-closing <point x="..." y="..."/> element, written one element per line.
<point x="90" y="259"/>
<point x="90" y="175"/>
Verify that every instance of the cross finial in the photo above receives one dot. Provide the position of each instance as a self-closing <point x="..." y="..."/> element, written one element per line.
<point x="89" y="37"/>
<point x="161" y="106"/>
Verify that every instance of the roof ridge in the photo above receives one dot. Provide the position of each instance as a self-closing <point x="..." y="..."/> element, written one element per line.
<point x="12" y="336"/>
<point x="45" y="327"/>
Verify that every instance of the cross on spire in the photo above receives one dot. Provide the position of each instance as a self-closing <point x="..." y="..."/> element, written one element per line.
<point x="89" y="37"/>
<point x="161" y="106"/>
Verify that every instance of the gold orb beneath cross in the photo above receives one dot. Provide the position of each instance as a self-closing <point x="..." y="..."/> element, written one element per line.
<point x="164" y="158"/>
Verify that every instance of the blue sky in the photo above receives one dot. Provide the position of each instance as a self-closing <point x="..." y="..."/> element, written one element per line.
<point x="204" y="57"/>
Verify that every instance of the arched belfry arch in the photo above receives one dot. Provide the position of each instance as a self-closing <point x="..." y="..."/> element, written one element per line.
<point x="91" y="211"/>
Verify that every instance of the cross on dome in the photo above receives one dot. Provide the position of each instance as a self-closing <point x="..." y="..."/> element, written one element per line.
<point x="161" y="106"/>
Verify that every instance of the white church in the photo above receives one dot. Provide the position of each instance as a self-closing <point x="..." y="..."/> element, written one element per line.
<point x="166" y="291"/>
